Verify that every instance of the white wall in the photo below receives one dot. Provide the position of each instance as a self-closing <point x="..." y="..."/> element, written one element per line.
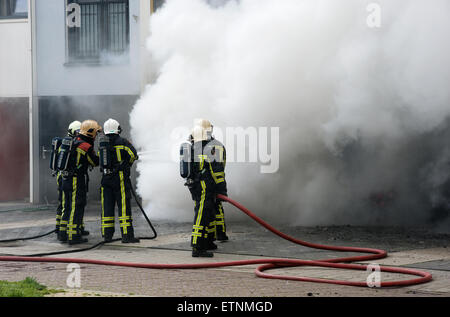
<point x="54" y="78"/>
<point x="15" y="58"/>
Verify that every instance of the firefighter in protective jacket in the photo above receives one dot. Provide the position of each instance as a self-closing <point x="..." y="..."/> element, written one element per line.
<point x="208" y="180"/>
<point x="117" y="155"/>
<point x="75" y="182"/>
<point x="72" y="131"/>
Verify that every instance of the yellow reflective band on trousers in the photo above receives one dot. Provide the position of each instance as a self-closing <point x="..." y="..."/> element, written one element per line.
<point x="124" y="202"/>
<point x="220" y="217"/>
<point x="124" y="223"/>
<point x="58" y="220"/>
<point x="61" y="222"/>
<point x="103" y="207"/>
<point x="197" y="228"/>
<point x="125" y="220"/>
<point x="107" y="222"/>
<point x="63" y="225"/>
<point x="220" y="220"/>
<point x="70" y="225"/>
<point x="211" y="228"/>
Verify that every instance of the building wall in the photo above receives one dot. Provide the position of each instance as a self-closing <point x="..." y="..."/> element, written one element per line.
<point x="56" y="113"/>
<point x="56" y="78"/>
<point x="15" y="58"/>
<point x="61" y="93"/>
<point x="65" y="93"/>
<point x="14" y="156"/>
<point x="15" y="87"/>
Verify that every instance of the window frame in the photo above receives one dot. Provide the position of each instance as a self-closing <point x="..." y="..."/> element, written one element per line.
<point x="23" y="16"/>
<point x="102" y="36"/>
<point x="152" y="6"/>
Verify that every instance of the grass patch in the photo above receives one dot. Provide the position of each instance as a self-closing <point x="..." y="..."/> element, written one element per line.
<point x="29" y="287"/>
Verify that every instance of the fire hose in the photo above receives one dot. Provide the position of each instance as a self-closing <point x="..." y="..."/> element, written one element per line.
<point x="268" y="264"/>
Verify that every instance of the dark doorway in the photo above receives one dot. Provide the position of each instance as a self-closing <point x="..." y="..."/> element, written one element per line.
<point x="14" y="156"/>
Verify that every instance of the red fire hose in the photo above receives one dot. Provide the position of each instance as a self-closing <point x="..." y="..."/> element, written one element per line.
<point x="333" y="263"/>
<point x="268" y="264"/>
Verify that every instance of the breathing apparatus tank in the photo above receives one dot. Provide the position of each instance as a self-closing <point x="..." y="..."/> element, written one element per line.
<point x="56" y="144"/>
<point x="64" y="154"/>
<point x="202" y="131"/>
<point x="186" y="161"/>
<point x="105" y="154"/>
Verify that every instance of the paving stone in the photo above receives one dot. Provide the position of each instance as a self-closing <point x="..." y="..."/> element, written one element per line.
<point x="439" y="265"/>
<point x="247" y="241"/>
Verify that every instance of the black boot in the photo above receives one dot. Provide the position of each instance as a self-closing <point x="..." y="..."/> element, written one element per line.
<point x="77" y="240"/>
<point x="129" y="238"/>
<point x="201" y="254"/>
<point x="62" y="236"/>
<point x="211" y="246"/>
<point x="222" y="236"/>
<point x="84" y="232"/>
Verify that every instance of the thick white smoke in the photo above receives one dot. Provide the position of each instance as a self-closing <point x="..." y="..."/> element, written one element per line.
<point x="362" y="111"/>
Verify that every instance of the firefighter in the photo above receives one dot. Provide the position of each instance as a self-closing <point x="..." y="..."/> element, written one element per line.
<point x="72" y="131"/>
<point x="75" y="182"/>
<point x="117" y="155"/>
<point x="207" y="180"/>
<point x="220" y="230"/>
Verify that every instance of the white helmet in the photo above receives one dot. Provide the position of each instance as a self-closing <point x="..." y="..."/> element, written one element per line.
<point x="74" y="128"/>
<point x="202" y="130"/>
<point x="112" y="126"/>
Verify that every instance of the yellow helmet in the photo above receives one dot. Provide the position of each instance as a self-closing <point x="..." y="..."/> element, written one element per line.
<point x="90" y="128"/>
<point x="202" y="130"/>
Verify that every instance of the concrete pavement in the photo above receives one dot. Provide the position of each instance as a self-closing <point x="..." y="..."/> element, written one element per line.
<point x="407" y="247"/>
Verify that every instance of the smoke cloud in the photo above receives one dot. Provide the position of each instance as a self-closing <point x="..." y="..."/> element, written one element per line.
<point x="363" y="112"/>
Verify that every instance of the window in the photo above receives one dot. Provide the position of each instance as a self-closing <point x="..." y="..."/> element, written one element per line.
<point x="102" y="34"/>
<point x="13" y="9"/>
<point x="156" y="4"/>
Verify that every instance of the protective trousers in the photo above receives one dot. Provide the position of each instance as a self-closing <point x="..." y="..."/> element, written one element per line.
<point x="74" y="202"/>
<point x="221" y="229"/>
<point x="116" y="189"/>
<point x="204" y="229"/>
<point x="59" y="209"/>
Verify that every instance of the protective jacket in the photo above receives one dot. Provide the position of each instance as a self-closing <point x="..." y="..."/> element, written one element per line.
<point x="75" y="187"/>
